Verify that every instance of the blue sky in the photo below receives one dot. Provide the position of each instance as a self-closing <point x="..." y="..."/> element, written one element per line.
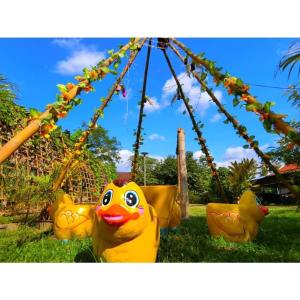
<point x="37" y="65"/>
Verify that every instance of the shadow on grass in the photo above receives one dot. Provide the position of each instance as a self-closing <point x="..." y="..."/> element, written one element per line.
<point x="85" y="256"/>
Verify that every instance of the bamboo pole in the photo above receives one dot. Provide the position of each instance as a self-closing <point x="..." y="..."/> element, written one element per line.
<point x="21" y="137"/>
<point x="182" y="175"/>
<point x="97" y="115"/>
<point x="198" y="132"/>
<point x="242" y="132"/>
<point x="141" y="115"/>
<point x="279" y="125"/>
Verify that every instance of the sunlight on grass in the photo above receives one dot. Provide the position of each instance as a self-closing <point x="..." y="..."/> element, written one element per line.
<point x="277" y="241"/>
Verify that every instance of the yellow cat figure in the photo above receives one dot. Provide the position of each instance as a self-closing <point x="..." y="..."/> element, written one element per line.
<point x="126" y="226"/>
<point x="71" y="220"/>
<point x="236" y="222"/>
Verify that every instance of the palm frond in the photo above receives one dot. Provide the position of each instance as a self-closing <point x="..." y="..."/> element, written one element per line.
<point x="290" y="59"/>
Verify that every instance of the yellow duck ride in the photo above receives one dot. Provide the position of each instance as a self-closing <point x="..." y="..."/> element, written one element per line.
<point x="236" y="222"/>
<point x="126" y="227"/>
<point x="71" y="220"/>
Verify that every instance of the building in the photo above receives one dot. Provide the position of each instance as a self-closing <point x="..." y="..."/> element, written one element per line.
<point x="273" y="191"/>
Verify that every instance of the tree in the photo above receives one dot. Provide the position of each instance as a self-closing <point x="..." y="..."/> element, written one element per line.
<point x="166" y="171"/>
<point x="289" y="61"/>
<point x="241" y="174"/>
<point x="7" y="89"/>
<point x="151" y="170"/>
<point x="291" y="58"/>
<point x="286" y="151"/>
<point x="100" y="144"/>
<point x="224" y="174"/>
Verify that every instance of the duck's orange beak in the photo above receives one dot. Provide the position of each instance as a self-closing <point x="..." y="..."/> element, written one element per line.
<point x="264" y="210"/>
<point x="116" y="215"/>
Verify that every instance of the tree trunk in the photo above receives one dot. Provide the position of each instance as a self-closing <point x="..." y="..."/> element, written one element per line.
<point x="182" y="175"/>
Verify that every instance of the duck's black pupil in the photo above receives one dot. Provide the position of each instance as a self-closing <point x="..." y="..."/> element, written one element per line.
<point x="131" y="199"/>
<point x="106" y="198"/>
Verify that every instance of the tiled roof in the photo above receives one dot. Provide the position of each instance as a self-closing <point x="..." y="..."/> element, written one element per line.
<point x="289" y="168"/>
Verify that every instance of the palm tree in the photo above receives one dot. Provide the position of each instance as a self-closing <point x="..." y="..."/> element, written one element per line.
<point x="291" y="58"/>
<point x="7" y="90"/>
<point x="241" y="174"/>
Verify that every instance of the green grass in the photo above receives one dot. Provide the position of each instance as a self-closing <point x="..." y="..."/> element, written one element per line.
<point x="277" y="241"/>
<point x="15" y="219"/>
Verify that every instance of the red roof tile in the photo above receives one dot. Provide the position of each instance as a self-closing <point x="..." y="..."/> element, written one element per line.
<point x="289" y="168"/>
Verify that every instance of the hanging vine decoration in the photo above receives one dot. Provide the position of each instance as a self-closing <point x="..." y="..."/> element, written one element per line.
<point x="240" y="129"/>
<point x="272" y="122"/>
<point x="139" y="138"/>
<point x="81" y="142"/>
<point x="65" y="101"/>
<point x="196" y="128"/>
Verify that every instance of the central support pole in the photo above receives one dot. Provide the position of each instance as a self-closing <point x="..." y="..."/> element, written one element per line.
<point x="182" y="174"/>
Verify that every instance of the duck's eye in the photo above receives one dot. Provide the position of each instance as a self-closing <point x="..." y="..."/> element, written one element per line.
<point x="107" y="197"/>
<point x="131" y="198"/>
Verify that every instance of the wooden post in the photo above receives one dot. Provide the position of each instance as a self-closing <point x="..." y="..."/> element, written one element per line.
<point x="182" y="175"/>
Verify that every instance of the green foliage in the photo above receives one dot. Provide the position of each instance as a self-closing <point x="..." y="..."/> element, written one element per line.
<point x="241" y="174"/>
<point x="293" y="94"/>
<point x="291" y="58"/>
<point x="151" y="170"/>
<point x="100" y="144"/>
<point x="285" y="151"/>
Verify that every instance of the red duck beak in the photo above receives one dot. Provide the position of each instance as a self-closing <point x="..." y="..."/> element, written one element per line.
<point x="116" y="215"/>
<point x="264" y="210"/>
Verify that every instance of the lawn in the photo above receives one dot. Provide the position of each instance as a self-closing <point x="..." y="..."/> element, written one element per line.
<point x="277" y="241"/>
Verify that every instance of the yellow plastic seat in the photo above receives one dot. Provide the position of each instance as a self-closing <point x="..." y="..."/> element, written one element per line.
<point x="236" y="222"/>
<point x="71" y="220"/>
<point x="164" y="200"/>
<point x="126" y="226"/>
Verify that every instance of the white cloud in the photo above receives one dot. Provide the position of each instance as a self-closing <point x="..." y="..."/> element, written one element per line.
<point x="237" y="154"/>
<point x="155" y="136"/>
<point x="153" y="106"/>
<point x="124" y="164"/>
<point x="215" y="118"/>
<point x="81" y="56"/>
<point x="197" y="154"/>
<point x="199" y="100"/>
<point x="68" y="43"/>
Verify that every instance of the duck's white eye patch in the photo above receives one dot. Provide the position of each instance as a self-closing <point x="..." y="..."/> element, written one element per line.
<point x="131" y="198"/>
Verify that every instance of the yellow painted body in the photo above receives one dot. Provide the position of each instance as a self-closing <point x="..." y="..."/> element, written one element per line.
<point x="235" y="222"/>
<point x="71" y="220"/>
<point x="135" y="241"/>
<point x="164" y="200"/>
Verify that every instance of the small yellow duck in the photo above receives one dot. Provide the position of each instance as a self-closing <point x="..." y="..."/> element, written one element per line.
<point x="126" y="226"/>
<point x="236" y="222"/>
<point x="71" y="220"/>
